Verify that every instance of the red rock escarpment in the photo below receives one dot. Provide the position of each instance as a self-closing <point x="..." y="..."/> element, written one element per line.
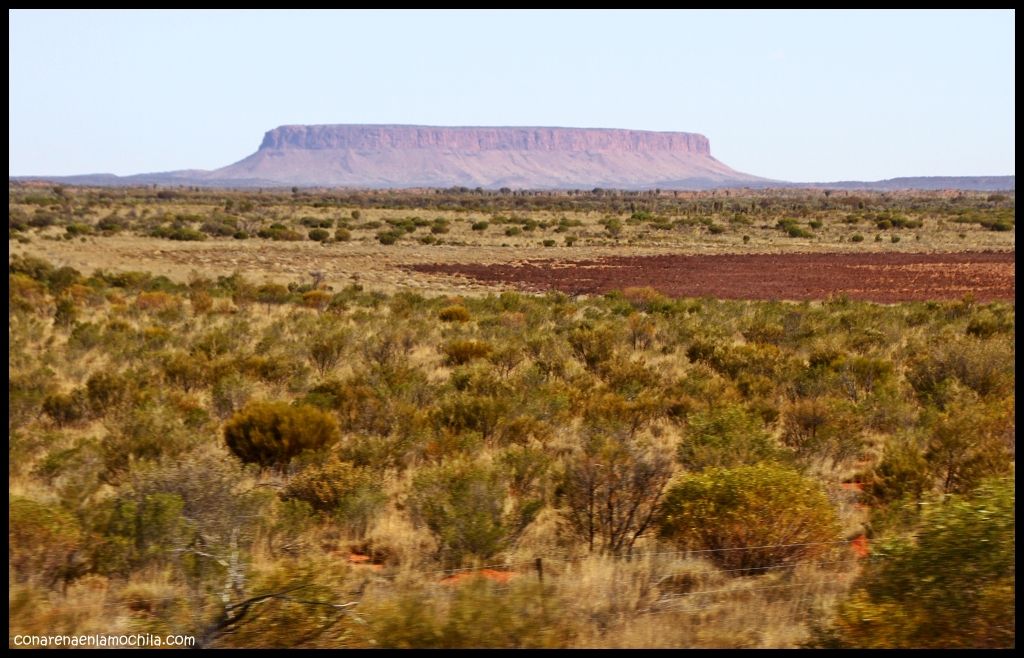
<point x="521" y="157"/>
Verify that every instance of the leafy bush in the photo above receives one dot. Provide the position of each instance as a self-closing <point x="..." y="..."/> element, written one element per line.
<point x="765" y="515"/>
<point x="592" y="346"/>
<point x="952" y="588"/>
<point x="66" y="408"/>
<point x="455" y="313"/>
<point x="463" y="504"/>
<point x="326" y="349"/>
<point x="279" y="233"/>
<point x="182" y="233"/>
<point x="319" y="235"/>
<point x="42" y="540"/>
<point x="272" y="433"/>
<point x="459" y="352"/>
<point x="822" y="429"/>
<point x="389" y="237"/>
<point x="105" y="390"/>
<point x="725" y="437"/>
<point x="336" y="488"/>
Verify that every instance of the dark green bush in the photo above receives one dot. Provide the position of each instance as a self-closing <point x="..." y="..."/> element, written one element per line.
<point x="459" y="352"/>
<point x="454" y="314"/>
<point x="463" y="504"/>
<point x="66" y="408"/>
<point x="951" y="588"/>
<point x="319" y="235"/>
<point x="765" y="515"/>
<point x="272" y="433"/>
<point x="42" y="541"/>
<point x="725" y="437"/>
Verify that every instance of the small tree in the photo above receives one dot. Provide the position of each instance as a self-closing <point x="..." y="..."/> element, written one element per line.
<point x="325" y="350"/>
<point x="463" y="505"/>
<point x="272" y="433"/>
<point x="612" y="489"/>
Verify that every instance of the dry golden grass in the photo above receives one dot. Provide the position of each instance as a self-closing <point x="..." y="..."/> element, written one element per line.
<point x="364" y="260"/>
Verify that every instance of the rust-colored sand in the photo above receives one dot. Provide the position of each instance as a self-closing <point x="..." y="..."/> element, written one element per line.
<point x="879" y="277"/>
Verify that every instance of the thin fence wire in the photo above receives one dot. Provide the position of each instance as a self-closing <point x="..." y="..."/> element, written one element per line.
<point x="548" y="558"/>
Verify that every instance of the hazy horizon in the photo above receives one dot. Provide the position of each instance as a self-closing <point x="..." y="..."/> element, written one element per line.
<point x="805" y="96"/>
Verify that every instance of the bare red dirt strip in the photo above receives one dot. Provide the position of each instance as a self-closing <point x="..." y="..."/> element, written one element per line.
<point x="879" y="277"/>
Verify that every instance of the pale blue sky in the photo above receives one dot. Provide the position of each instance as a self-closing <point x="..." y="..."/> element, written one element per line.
<point x="792" y="95"/>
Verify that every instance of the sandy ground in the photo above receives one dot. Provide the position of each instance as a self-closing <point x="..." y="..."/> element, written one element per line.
<point x="389" y="268"/>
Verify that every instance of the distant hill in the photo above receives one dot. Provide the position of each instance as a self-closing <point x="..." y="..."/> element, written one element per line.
<point x="399" y="156"/>
<point x="979" y="183"/>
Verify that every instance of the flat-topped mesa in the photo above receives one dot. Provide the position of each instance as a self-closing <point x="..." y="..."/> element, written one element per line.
<point x="522" y="157"/>
<point x="471" y="140"/>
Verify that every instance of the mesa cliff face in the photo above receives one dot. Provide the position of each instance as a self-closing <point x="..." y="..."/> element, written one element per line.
<point x="578" y="140"/>
<point x="522" y="157"/>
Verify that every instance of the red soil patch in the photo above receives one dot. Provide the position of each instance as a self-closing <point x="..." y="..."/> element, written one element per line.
<point x="860" y="546"/>
<point x="489" y="574"/>
<point x="357" y="559"/>
<point x="852" y="486"/>
<point x="878" y="277"/>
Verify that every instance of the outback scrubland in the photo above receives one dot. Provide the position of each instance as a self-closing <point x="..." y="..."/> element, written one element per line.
<point x="324" y="449"/>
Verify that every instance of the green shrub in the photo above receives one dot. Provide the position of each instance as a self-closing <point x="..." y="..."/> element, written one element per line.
<point x="389" y="237"/>
<point x="66" y="408"/>
<point x="349" y="493"/>
<point x="970" y="442"/>
<point x="455" y="313"/>
<point x="952" y="588"/>
<point x="319" y="235"/>
<point x="272" y="433"/>
<point x="765" y="515"/>
<point x="179" y="233"/>
<point x="463" y="504"/>
<point x="65" y="313"/>
<point x="592" y="345"/>
<point x="725" y="437"/>
<point x="325" y="350"/>
<point x="272" y="293"/>
<point x="987" y="324"/>
<point x="186" y="371"/>
<point x="42" y="540"/>
<point x="822" y="429"/>
<point x="480" y="226"/>
<point x="343" y="235"/>
<point x="317" y="222"/>
<point x="459" y="352"/>
<point x="106" y="390"/>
